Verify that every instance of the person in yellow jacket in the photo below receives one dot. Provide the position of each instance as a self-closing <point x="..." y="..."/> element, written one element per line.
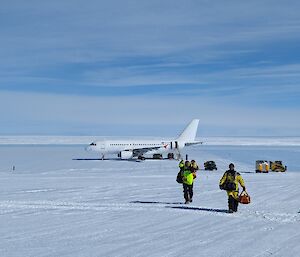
<point x="194" y="167"/>
<point x="229" y="182"/>
<point x="188" y="179"/>
<point x="181" y="165"/>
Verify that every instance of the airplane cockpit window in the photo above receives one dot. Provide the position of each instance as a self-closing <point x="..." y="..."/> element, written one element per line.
<point x="93" y="144"/>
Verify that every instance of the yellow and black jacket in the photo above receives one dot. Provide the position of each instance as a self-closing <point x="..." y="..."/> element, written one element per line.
<point x="181" y="165"/>
<point x="188" y="177"/>
<point x="236" y="178"/>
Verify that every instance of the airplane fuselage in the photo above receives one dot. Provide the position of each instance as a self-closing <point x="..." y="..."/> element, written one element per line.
<point x="118" y="146"/>
<point x="130" y="148"/>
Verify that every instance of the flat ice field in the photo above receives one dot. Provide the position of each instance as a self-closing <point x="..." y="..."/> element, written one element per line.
<point x="52" y="205"/>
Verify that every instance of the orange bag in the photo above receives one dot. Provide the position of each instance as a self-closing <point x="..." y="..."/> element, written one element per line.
<point x="244" y="198"/>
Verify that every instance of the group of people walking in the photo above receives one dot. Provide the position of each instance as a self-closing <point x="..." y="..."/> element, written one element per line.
<point x="186" y="176"/>
<point x="230" y="182"/>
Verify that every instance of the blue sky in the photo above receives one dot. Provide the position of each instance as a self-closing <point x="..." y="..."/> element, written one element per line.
<point x="149" y="67"/>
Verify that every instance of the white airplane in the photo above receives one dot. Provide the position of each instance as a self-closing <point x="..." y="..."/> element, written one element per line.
<point x="128" y="149"/>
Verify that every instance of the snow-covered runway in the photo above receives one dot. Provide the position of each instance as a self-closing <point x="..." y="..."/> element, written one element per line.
<point x="52" y="205"/>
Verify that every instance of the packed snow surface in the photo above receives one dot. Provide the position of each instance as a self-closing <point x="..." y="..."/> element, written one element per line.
<point x="54" y="205"/>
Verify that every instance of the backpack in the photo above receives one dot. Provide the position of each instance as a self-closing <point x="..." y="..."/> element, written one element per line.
<point x="229" y="185"/>
<point x="179" y="178"/>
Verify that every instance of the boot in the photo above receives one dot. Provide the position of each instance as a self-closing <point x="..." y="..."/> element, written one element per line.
<point x="235" y="206"/>
<point x="230" y="204"/>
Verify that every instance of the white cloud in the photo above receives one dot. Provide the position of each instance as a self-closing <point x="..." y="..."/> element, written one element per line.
<point x="86" y="32"/>
<point x="89" y="46"/>
<point x="79" y="113"/>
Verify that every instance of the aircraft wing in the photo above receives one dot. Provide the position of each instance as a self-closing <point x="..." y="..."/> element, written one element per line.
<point x="141" y="151"/>
<point x="193" y="143"/>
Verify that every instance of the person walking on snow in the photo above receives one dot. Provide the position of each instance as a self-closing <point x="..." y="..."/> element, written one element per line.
<point x="229" y="182"/>
<point x="188" y="179"/>
<point x="194" y="167"/>
<point x="181" y="165"/>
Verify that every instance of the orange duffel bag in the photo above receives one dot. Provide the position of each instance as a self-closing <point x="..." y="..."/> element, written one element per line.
<point x="244" y="198"/>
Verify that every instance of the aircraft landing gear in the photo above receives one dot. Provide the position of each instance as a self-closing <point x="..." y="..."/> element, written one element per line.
<point x="178" y="155"/>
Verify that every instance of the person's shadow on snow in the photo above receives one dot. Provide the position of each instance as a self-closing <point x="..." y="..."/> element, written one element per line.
<point x="154" y="202"/>
<point x="181" y="207"/>
<point x="197" y="209"/>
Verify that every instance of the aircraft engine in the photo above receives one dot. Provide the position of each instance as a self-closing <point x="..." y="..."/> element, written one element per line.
<point x="126" y="155"/>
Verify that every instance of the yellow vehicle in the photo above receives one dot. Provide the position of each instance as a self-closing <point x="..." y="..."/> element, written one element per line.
<point x="262" y="166"/>
<point x="277" y="166"/>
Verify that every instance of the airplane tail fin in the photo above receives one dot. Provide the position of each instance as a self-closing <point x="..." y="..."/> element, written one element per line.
<point x="189" y="133"/>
